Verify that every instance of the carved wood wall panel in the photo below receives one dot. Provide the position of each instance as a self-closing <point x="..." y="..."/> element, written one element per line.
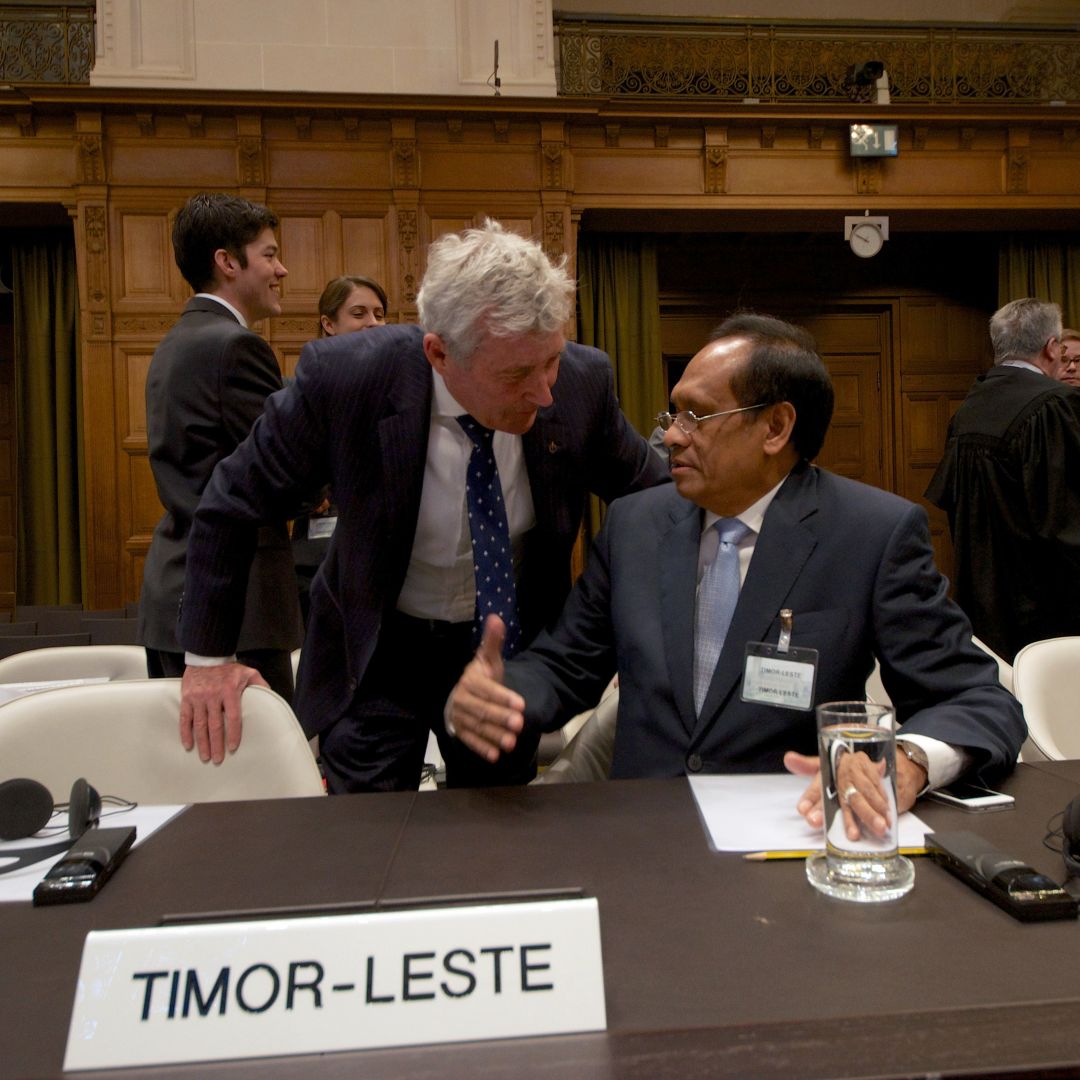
<point x="364" y="187"/>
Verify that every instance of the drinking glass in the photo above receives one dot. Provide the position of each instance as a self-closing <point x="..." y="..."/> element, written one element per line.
<point x="857" y="748"/>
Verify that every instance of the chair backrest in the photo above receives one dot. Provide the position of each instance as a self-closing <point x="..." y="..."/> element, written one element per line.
<point x="22" y="643"/>
<point x="112" y="631"/>
<point x="589" y="754"/>
<point x="123" y="738"/>
<point x="75" y="662"/>
<point x="1046" y="681"/>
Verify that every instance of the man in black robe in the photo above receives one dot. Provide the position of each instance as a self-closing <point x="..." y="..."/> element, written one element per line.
<point x="1010" y="483"/>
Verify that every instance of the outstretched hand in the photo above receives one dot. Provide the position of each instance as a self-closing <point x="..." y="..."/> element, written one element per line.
<point x="481" y="711"/>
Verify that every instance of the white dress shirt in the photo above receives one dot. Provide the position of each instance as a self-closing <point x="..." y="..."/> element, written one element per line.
<point x="440" y="583"/>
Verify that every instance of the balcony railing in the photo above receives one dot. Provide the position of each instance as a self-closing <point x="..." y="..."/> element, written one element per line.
<point x="46" y="43"/>
<point x="802" y="62"/>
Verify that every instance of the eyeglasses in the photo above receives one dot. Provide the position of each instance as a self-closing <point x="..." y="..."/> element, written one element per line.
<point x="688" y="420"/>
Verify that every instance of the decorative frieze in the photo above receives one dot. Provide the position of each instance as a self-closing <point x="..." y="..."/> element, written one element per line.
<point x="737" y="61"/>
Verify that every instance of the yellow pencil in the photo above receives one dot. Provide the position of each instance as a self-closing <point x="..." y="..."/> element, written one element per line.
<point x="768" y="856"/>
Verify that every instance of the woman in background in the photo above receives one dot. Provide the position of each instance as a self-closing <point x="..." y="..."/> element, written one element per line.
<point x="351" y="303"/>
<point x="348" y="303"/>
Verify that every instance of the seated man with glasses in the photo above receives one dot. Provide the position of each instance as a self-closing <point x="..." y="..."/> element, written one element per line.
<point x="750" y="545"/>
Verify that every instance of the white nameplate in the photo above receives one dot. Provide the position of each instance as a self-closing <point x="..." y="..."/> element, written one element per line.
<point x="307" y="985"/>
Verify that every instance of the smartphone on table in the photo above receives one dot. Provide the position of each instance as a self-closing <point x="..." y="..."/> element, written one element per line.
<point x="972" y="797"/>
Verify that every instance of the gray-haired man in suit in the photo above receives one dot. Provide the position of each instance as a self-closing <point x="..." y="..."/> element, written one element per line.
<point x="385" y="416"/>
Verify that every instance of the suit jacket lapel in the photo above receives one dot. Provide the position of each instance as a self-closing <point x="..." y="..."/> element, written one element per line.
<point x="781" y="551"/>
<point x="678" y="555"/>
<point x="403" y="436"/>
<point x="540" y="446"/>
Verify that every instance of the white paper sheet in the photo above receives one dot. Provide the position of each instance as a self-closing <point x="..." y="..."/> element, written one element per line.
<point x="12" y="690"/>
<point x="19" y="884"/>
<point x="756" y="812"/>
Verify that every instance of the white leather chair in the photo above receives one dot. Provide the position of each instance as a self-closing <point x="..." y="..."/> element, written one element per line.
<point x="75" y="662"/>
<point x="123" y="738"/>
<point x="1046" y="680"/>
<point x="590" y="748"/>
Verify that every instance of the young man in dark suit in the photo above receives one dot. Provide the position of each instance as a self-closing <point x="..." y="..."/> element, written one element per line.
<point x="850" y="565"/>
<point x="208" y="381"/>
<point x="401" y="421"/>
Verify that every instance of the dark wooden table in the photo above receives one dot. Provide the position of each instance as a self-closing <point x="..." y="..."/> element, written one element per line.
<point x="713" y="966"/>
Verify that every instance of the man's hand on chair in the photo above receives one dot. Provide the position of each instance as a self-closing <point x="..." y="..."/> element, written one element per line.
<point x="480" y="711"/>
<point x="210" y="708"/>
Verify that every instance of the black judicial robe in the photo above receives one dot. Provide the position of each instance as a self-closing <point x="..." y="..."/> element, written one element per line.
<point x="1010" y="484"/>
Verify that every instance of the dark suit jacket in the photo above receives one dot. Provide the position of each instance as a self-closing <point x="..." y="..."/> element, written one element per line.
<point x="357" y="417"/>
<point x="208" y="381"/>
<point x="855" y="566"/>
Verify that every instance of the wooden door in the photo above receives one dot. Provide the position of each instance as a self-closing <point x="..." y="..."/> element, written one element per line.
<point x="854" y="343"/>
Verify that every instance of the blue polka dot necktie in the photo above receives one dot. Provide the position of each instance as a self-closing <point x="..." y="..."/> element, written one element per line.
<point x="717" y="596"/>
<point x="493" y="560"/>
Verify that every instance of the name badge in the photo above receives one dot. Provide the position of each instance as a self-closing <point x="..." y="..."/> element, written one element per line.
<point x="221" y="991"/>
<point x="321" y="528"/>
<point x="785" y="679"/>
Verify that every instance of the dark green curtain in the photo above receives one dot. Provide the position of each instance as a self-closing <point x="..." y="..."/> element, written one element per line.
<point x="47" y="394"/>
<point x="1047" y="268"/>
<point x="619" y="312"/>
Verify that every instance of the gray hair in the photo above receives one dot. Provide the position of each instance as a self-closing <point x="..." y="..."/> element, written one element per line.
<point x="1021" y="329"/>
<point x="490" y="281"/>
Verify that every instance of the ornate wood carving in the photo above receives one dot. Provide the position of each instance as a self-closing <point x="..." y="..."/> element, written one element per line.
<point x="611" y="135"/>
<point x="303" y="126"/>
<point x="1017" y="170"/>
<point x="97" y="271"/>
<point x="967" y="138"/>
<point x="145" y="121"/>
<point x="352" y="127"/>
<point x="91" y="167"/>
<point x="768" y="136"/>
<point x="817" y="133"/>
<point x="554" y="235"/>
<point x="553" y="164"/>
<point x="918" y="140"/>
<point x="249" y="160"/>
<point x="406" y="224"/>
<point x="25" y="122"/>
<point x="454" y="127"/>
<point x="661" y="134"/>
<point x="142" y="326"/>
<point x="405" y="165"/>
<point x="502" y="130"/>
<point x="195" y="124"/>
<point x="868" y="176"/>
<point x="715" y="170"/>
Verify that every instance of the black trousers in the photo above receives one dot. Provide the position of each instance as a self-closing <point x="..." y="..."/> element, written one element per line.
<point x="274" y="665"/>
<point x="378" y="745"/>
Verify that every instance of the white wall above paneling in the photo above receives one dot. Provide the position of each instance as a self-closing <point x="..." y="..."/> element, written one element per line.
<point x="335" y="46"/>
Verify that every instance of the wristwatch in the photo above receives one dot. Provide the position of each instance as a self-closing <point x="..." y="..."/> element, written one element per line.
<point x="917" y="756"/>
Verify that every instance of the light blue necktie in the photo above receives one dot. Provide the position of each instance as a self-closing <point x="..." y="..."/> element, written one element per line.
<point x="717" y="597"/>
<point x="493" y="560"/>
